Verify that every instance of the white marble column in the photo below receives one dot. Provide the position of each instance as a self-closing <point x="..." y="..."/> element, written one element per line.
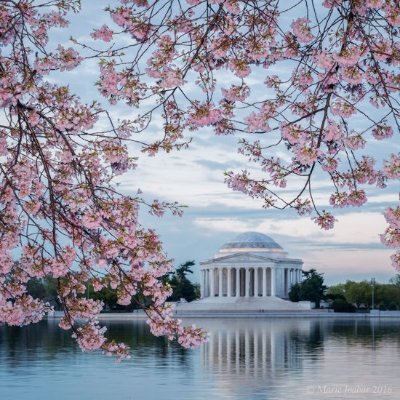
<point x="255" y="282"/>
<point x="202" y="284"/>
<point x="229" y="283"/>
<point x="273" y="282"/>
<point x="237" y="282"/>
<point x="264" y="282"/>
<point x="285" y="281"/>
<point x="212" y="282"/>
<point x="207" y="283"/>
<point x="247" y="283"/>
<point x="220" y="276"/>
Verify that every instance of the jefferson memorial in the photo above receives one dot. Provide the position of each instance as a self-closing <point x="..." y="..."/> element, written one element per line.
<point x="251" y="272"/>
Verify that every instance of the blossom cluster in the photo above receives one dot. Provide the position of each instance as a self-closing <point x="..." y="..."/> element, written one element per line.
<point x="61" y="214"/>
<point x="391" y="236"/>
<point x="339" y="68"/>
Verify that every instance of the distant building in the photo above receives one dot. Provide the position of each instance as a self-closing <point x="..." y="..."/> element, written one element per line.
<point x="250" y="273"/>
<point x="251" y="265"/>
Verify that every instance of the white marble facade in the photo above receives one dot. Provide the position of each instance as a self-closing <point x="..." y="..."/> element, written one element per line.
<point x="251" y="266"/>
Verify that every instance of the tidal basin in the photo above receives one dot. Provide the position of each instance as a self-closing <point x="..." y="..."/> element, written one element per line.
<point x="266" y="358"/>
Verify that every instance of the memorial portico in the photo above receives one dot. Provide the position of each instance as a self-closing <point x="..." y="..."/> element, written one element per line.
<point x="250" y="272"/>
<point x="252" y="265"/>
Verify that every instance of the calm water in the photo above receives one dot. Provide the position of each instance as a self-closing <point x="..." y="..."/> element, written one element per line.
<point x="244" y="359"/>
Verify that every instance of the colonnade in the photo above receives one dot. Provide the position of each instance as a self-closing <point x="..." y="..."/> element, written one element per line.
<point x="248" y="281"/>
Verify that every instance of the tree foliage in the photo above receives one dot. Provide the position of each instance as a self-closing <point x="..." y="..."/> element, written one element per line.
<point x="182" y="287"/>
<point x="311" y="288"/>
<point x="342" y="305"/>
<point x="395" y="280"/>
<point x="318" y="71"/>
<point x="44" y="289"/>
<point x="386" y="296"/>
<point x="358" y="293"/>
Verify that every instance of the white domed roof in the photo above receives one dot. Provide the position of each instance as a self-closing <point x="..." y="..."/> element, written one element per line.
<point x="253" y="242"/>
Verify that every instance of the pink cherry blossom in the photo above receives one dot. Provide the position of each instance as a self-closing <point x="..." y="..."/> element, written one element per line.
<point x="203" y="115"/>
<point x="257" y="122"/>
<point x="382" y="132"/>
<point x="325" y="220"/>
<point x="293" y="134"/>
<point x="306" y="155"/>
<point x="352" y="75"/>
<point x="239" y="68"/>
<point x="348" y="57"/>
<point x="302" y="30"/>
<point x="329" y="164"/>
<point x="392" y="166"/>
<point x="236" y="93"/>
<point x="355" y="142"/>
<point x="104" y="33"/>
<point x="333" y="133"/>
<point x="324" y="60"/>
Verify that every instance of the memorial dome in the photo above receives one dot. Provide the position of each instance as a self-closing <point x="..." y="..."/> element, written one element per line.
<point x="251" y="242"/>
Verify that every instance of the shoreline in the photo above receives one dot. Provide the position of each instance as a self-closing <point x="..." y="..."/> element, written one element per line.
<point x="376" y="314"/>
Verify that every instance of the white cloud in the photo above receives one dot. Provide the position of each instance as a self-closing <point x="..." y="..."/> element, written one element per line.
<point x="352" y="228"/>
<point x="345" y="262"/>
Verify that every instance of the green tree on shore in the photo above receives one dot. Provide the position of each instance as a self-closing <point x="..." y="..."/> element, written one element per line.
<point x="312" y="288"/>
<point x="386" y="295"/>
<point x="44" y="289"/>
<point x="182" y="287"/>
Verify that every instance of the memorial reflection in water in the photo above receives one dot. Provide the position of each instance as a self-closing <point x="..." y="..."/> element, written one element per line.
<point x="258" y="348"/>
